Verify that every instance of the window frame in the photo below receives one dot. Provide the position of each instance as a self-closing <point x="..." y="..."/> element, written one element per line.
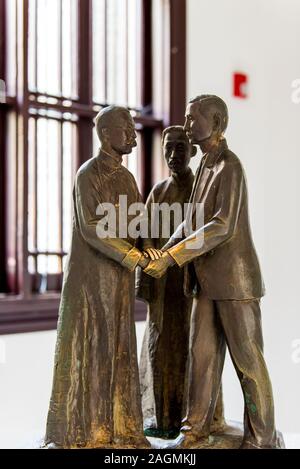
<point x="2" y="147"/>
<point x="25" y="311"/>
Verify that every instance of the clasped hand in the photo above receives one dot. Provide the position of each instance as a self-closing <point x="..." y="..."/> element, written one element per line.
<point x="159" y="262"/>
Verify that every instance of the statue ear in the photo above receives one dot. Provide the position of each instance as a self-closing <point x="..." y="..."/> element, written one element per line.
<point x="194" y="151"/>
<point x="217" y="121"/>
<point x="104" y="133"/>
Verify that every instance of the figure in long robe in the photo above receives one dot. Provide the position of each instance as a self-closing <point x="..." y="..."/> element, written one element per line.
<point x="95" y="399"/>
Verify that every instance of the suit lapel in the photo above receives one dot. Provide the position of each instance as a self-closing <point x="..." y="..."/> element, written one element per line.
<point x="204" y="180"/>
<point x="196" y="182"/>
<point x="191" y="201"/>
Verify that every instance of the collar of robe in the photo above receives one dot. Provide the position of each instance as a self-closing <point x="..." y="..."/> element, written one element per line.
<point x="111" y="160"/>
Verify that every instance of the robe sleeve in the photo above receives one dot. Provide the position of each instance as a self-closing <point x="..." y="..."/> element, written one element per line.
<point x="87" y="199"/>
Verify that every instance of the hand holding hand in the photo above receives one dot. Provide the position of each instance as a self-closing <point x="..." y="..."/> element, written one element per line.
<point x="144" y="261"/>
<point x="157" y="268"/>
<point x="153" y="253"/>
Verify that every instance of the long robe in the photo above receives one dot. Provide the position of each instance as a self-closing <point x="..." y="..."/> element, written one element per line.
<point x="95" y="399"/>
<point x="165" y="344"/>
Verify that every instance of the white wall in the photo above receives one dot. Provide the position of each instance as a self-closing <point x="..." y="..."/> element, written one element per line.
<point x="262" y="39"/>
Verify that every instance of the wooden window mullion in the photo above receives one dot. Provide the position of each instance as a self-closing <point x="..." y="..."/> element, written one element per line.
<point x="61" y="181"/>
<point x="85" y="78"/>
<point x="35" y="195"/>
<point x="60" y="51"/>
<point x="177" y="61"/>
<point x="106" y="53"/>
<point x="3" y="284"/>
<point x="24" y="280"/>
<point x="2" y="39"/>
<point x="146" y="98"/>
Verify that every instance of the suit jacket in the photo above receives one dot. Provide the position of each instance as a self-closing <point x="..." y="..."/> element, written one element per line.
<point x="225" y="262"/>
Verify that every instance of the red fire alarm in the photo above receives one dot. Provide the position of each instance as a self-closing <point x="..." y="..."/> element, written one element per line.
<point x="240" y="85"/>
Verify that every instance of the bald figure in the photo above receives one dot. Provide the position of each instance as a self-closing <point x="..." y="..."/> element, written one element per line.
<point x="95" y="400"/>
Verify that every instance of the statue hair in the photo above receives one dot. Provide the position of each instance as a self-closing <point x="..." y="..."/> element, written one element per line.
<point x="214" y="104"/>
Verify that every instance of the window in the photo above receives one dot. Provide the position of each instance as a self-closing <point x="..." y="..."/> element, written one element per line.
<point x="61" y="62"/>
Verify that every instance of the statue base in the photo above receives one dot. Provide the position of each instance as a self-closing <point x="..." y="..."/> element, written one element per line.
<point x="231" y="437"/>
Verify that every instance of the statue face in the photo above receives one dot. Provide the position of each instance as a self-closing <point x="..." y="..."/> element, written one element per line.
<point x="198" y="126"/>
<point x="177" y="151"/>
<point x="122" y="135"/>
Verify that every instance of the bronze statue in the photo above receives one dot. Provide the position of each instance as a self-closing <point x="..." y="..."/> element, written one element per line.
<point x="226" y="270"/>
<point x="95" y="401"/>
<point x="165" y="344"/>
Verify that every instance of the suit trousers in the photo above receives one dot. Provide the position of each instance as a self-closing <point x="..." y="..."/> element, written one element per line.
<point x="237" y="324"/>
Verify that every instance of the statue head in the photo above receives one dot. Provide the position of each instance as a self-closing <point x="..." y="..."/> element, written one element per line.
<point x="115" y="129"/>
<point x="177" y="149"/>
<point x="206" y="119"/>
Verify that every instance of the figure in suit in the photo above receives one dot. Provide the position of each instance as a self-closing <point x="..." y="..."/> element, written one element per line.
<point x="220" y="257"/>
<point x="165" y="344"/>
